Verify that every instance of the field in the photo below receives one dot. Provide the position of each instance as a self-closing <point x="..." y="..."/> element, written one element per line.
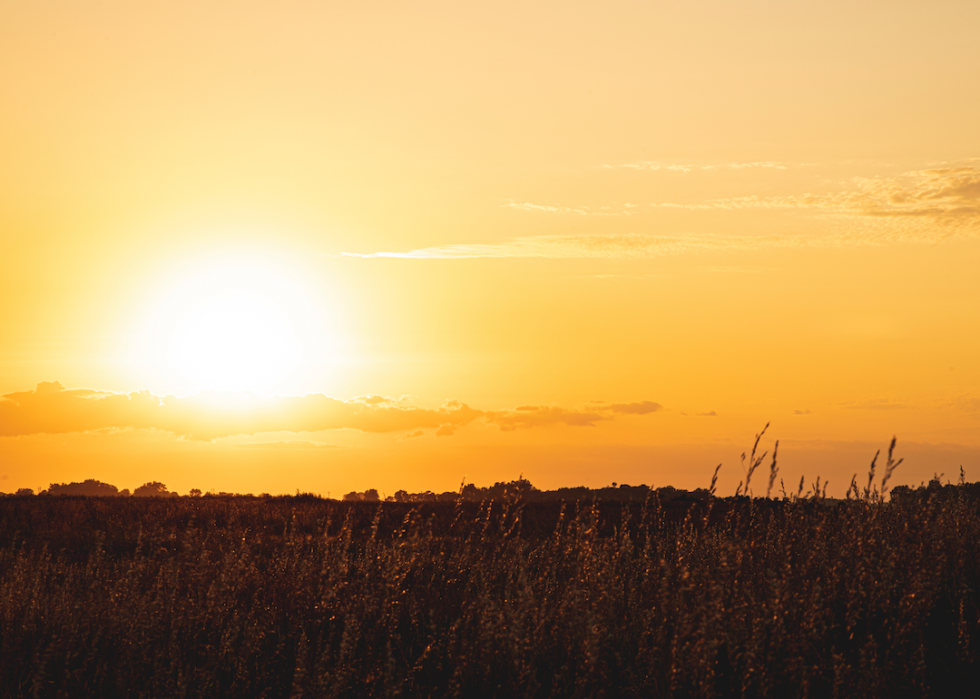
<point x="301" y="596"/>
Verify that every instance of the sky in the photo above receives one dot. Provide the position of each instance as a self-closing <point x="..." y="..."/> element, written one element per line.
<point x="268" y="247"/>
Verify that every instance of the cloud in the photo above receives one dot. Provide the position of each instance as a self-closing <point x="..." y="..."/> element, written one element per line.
<point x="628" y="209"/>
<point x="948" y="195"/>
<point x="742" y="166"/>
<point x="969" y="403"/>
<point x="675" y="273"/>
<point x="685" y="168"/>
<point x="877" y="211"/>
<point x="528" y="206"/>
<point x="874" y="404"/>
<point x="372" y="399"/>
<point x="652" y="165"/>
<point x="210" y="415"/>
<point x="285" y="446"/>
<point x="47" y="387"/>
<point x="539" y="416"/>
<point x="802" y="412"/>
<point x="610" y="246"/>
<point x="641" y="408"/>
<point x="52" y="409"/>
<point x="710" y="414"/>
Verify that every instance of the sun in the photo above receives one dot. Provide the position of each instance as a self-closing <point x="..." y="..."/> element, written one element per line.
<point x="231" y="324"/>
<point x="233" y="337"/>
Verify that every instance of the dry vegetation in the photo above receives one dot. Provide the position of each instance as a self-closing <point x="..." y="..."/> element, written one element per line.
<point x="276" y="597"/>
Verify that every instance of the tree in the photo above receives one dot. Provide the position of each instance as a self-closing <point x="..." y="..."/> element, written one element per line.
<point x="195" y="493"/>
<point x="153" y="489"/>
<point x="89" y="487"/>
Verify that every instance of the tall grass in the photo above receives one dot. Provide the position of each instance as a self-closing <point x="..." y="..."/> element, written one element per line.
<point x="290" y="597"/>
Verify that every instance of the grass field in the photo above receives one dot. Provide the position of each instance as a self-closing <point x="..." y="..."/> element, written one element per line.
<point x="299" y="596"/>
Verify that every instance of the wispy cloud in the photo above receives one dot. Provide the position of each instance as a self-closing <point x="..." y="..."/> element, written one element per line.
<point x="686" y="271"/>
<point x="52" y="409"/>
<point x="874" y="404"/>
<point x="969" y="402"/>
<point x="285" y="446"/>
<point x="940" y="194"/>
<point x="627" y="210"/>
<point x="528" y="206"/>
<point x="743" y="166"/>
<point x="624" y="246"/>
<point x="919" y="206"/>
<point x="372" y="399"/>
<point x="685" y="167"/>
<point x="641" y="408"/>
<point x="652" y="165"/>
<point x="539" y="416"/>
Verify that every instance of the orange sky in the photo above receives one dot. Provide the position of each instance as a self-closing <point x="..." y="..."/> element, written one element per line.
<point x="335" y="246"/>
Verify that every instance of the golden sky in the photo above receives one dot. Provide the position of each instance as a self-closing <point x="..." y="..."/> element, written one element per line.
<point x="254" y="246"/>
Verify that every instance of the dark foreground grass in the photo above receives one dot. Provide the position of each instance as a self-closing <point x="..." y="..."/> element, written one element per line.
<point x="210" y="597"/>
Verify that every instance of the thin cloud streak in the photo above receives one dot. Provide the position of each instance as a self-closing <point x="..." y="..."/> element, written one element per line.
<point x="528" y="206"/>
<point x="285" y="446"/>
<point x="625" y="246"/>
<point x="682" y="167"/>
<point x="578" y="211"/>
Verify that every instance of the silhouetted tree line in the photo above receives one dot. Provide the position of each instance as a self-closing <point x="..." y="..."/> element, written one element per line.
<point x="522" y="489"/>
<point x="936" y="490"/>
<point x="94" y="488"/>
<point x="89" y="487"/>
<point x="370" y="495"/>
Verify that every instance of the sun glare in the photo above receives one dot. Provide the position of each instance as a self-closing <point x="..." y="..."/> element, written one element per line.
<point x="233" y="325"/>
